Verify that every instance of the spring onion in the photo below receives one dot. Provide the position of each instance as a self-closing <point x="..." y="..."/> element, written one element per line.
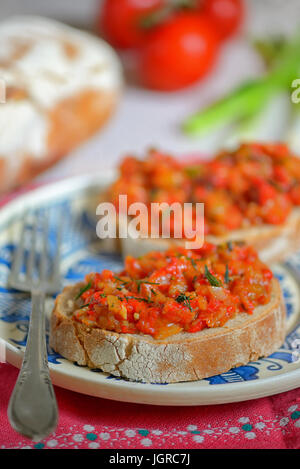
<point x="249" y="98"/>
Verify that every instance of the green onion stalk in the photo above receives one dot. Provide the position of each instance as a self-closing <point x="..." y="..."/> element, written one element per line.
<point x="270" y="123"/>
<point x="249" y="100"/>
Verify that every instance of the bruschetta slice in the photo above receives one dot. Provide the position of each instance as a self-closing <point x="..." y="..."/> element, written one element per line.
<point x="174" y="316"/>
<point x="251" y="194"/>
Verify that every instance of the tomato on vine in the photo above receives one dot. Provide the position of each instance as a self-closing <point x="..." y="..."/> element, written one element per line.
<point x="178" y="52"/>
<point x="177" y="40"/>
<point x="120" y="20"/>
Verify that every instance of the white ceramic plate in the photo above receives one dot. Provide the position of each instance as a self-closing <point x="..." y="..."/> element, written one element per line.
<point x="83" y="253"/>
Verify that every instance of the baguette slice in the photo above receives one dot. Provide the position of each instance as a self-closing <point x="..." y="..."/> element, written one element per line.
<point x="181" y="357"/>
<point x="274" y="243"/>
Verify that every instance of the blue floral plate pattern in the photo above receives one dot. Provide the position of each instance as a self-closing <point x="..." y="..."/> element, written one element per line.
<point x="82" y="253"/>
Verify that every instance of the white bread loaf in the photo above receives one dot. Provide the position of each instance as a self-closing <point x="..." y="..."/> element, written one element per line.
<point x="60" y="85"/>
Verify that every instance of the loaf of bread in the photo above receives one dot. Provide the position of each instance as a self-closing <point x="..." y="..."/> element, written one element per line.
<point x="59" y="85"/>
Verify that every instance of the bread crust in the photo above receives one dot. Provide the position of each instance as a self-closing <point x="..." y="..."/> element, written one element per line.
<point x="86" y="114"/>
<point x="274" y="243"/>
<point x="182" y="357"/>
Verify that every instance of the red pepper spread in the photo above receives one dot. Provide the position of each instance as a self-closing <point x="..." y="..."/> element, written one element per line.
<point x="254" y="185"/>
<point x="162" y="294"/>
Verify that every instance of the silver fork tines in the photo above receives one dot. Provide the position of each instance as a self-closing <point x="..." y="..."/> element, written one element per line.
<point x="32" y="409"/>
<point x="26" y="281"/>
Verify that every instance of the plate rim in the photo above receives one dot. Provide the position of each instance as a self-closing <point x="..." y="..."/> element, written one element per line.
<point x="210" y="395"/>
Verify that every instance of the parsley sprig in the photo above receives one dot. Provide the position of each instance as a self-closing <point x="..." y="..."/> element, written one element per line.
<point x="185" y="300"/>
<point x="141" y="281"/>
<point x="124" y="282"/>
<point x="83" y="290"/>
<point x="146" y="300"/>
<point x="214" y="282"/>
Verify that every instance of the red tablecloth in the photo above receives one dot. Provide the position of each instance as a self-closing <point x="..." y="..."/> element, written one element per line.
<point x="89" y="422"/>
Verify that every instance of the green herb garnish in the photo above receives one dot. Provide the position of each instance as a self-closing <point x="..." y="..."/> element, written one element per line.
<point x="124" y="282"/>
<point x="182" y="298"/>
<point x="227" y="279"/>
<point x="83" y="290"/>
<point x="139" y="283"/>
<point x="211" y="278"/>
<point x="137" y="298"/>
<point x="193" y="262"/>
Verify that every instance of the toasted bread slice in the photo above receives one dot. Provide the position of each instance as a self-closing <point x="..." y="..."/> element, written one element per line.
<point x="181" y="357"/>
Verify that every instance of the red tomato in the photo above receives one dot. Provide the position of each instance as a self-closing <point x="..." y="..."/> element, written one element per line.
<point x="120" y="20"/>
<point x="226" y="14"/>
<point x="178" y="52"/>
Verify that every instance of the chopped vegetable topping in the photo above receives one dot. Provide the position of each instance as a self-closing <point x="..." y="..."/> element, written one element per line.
<point x="253" y="185"/>
<point x="162" y="294"/>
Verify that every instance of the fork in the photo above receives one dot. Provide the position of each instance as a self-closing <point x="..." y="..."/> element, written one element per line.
<point x="32" y="409"/>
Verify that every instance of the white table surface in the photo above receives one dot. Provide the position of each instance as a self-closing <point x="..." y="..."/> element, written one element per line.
<point x="146" y="118"/>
